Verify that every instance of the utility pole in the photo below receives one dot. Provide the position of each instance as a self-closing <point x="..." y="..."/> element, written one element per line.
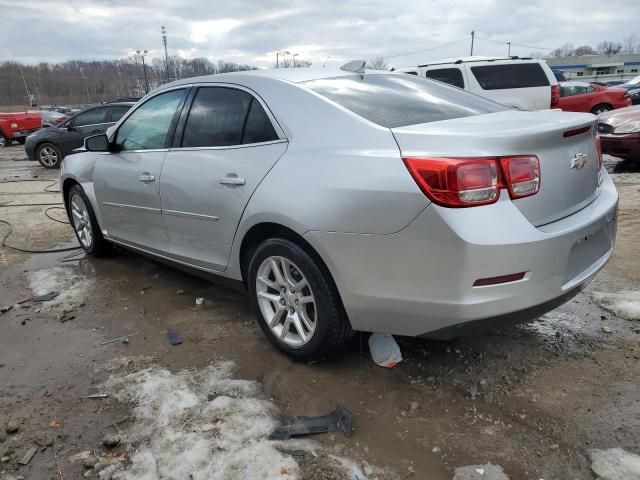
<point x="166" y="55"/>
<point x="86" y="85"/>
<point x="509" y="49"/>
<point x="144" y="69"/>
<point x="473" y="33"/>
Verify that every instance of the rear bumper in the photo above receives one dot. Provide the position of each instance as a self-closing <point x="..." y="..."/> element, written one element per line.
<point x="625" y="145"/>
<point x="420" y="280"/>
<point x="30" y="150"/>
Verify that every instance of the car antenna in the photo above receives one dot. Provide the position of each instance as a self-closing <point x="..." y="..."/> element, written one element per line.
<point x="356" y="66"/>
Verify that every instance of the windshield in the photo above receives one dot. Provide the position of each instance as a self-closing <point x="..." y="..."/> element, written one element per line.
<point x="397" y="100"/>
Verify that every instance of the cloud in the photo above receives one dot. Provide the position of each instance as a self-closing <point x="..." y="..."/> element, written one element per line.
<point x="251" y="31"/>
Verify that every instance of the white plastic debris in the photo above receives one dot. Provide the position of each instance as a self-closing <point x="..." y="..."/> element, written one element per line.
<point x="199" y="301"/>
<point x="615" y="464"/>
<point x="480" y="472"/>
<point x="384" y="350"/>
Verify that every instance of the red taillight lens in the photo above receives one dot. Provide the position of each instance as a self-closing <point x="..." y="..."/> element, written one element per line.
<point x="521" y="175"/>
<point x="599" y="150"/>
<point x="555" y="96"/>
<point x="456" y="182"/>
<point x="469" y="182"/>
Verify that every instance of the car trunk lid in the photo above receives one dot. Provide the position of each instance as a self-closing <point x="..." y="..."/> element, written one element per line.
<point x="564" y="143"/>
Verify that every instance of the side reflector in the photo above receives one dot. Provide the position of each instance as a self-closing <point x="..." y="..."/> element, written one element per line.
<point x="514" y="277"/>
<point x="574" y="132"/>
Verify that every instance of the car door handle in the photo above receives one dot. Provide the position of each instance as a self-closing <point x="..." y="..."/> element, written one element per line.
<point x="232" y="180"/>
<point x="146" y="178"/>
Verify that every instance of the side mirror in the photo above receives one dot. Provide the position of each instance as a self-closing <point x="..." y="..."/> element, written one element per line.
<point x="97" y="143"/>
<point x="70" y="128"/>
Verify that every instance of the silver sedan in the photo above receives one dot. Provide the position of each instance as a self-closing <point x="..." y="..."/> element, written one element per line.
<point x="347" y="200"/>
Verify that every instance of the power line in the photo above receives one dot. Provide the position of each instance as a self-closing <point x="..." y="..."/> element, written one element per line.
<point x="512" y="44"/>
<point x="426" y="49"/>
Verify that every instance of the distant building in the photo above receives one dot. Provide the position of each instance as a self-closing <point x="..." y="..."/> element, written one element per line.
<point x="601" y="68"/>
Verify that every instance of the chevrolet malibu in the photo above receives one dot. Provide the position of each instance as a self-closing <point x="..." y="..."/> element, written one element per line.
<point x="348" y="200"/>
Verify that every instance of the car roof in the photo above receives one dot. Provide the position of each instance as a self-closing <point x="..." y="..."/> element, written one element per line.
<point x="292" y="75"/>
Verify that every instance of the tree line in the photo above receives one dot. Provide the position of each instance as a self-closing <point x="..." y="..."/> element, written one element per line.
<point x="629" y="44"/>
<point x="79" y="82"/>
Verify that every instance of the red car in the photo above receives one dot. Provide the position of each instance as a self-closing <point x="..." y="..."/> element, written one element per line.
<point x="589" y="97"/>
<point x="17" y="126"/>
<point x="620" y="132"/>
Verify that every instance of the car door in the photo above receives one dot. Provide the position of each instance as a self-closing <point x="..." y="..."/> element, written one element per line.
<point x="225" y="144"/>
<point x="127" y="180"/>
<point x="572" y="98"/>
<point x="85" y="124"/>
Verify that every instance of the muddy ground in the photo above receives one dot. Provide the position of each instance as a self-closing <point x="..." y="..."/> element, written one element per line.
<point x="534" y="399"/>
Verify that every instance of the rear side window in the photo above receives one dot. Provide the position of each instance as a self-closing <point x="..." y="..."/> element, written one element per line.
<point x="216" y="118"/>
<point x="118" y="111"/>
<point x="222" y="117"/>
<point x="396" y="100"/>
<point x="90" y="117"/>
<point x="512" y="75"/>
<point x="258" y="127"/>
<point x="452" y="76"/>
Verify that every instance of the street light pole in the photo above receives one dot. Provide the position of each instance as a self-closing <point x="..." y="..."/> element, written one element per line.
<point x="473" y="33"/>
<point x="509" y="49"/>
<point x="277" y="57"/>
<point x="144" y="69"/>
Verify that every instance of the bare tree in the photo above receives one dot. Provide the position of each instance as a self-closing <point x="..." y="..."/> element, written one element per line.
<point x="77" y="82"/>
<point x="609" y="48"/>
<point x="584" y="50"/>
<point x="566" y="50"/>
<point x="378" y="63"/>
<point x="631" y="44"/>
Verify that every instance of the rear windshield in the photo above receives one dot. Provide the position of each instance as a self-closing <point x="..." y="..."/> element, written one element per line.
<point x="511" y="75"/>
<point x="397" y="100"/>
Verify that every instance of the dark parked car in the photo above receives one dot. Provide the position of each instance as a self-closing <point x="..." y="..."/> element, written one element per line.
<point x="633" y="89"/>
<point x="51" y="118"/>
<point x="50" y="145"/>
<point x="620" y="132"/>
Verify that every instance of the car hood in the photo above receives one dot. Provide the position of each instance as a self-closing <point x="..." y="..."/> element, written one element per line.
<point x="48" y="132"/>
<point x="620" y="116"/>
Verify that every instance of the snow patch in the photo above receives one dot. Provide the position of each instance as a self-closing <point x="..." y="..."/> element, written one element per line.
<point x="625" y="304"/>
<point x="548" y="324"/>
<point x="615" y="464"/>
<point x="204" y="425"/>
<point x="72" y="287"/>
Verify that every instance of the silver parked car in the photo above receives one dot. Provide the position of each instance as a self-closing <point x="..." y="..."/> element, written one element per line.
<point x="347" y="200"/>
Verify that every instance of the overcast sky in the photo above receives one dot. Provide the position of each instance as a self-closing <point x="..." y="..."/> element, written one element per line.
<point x="251" y="31"/>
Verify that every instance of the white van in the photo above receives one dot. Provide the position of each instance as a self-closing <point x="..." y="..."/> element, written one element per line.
<point x="524" y="83"/>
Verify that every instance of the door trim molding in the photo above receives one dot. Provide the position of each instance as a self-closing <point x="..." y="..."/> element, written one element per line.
<point x="198" y="216"/>
<point x="133" y="207"/>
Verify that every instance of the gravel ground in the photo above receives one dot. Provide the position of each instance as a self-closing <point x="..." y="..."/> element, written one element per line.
<point x="533" y="402"/>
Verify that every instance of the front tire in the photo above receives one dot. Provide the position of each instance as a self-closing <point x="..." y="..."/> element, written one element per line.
<point x="296" y="301"/>
<point x="49" y="155"/>
<point x="4" y="142"/>
<point x="84" y="223"/>
<point x="601" y="108"/>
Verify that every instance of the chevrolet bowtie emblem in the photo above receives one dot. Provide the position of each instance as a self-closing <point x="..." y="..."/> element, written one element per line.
<point x="579" y="161"/>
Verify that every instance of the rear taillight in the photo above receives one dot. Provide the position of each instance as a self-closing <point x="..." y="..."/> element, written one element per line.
<point x="599" y="151"/>
<point x="555" y="96"/>
<point x="521" y="175"/>
<point x="470" y="182"/>
<point x="456" y="182"/>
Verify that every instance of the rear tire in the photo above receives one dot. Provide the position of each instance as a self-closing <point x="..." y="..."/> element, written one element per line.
<point x="298" y="308"/>
<point x="4" y="142"/>
<point x="601" y="108"/>
<point x="84" y="223"/>
<point x="49" y="155"/>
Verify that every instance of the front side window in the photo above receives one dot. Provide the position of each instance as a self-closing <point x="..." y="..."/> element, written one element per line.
<point x="223" y="117"/>
<point x="510" y="75"/>
<point x="452" y="76"/>
<point x="396" y="100"/>
<point x="148" y="126"/>
<point x="90" y="117"/>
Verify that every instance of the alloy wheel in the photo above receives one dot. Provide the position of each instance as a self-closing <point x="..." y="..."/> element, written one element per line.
<point x="48" y="156"/>
<point x="3" y="141"/>
<point x="286" y="301"/>
<point x="81" y="221"/>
